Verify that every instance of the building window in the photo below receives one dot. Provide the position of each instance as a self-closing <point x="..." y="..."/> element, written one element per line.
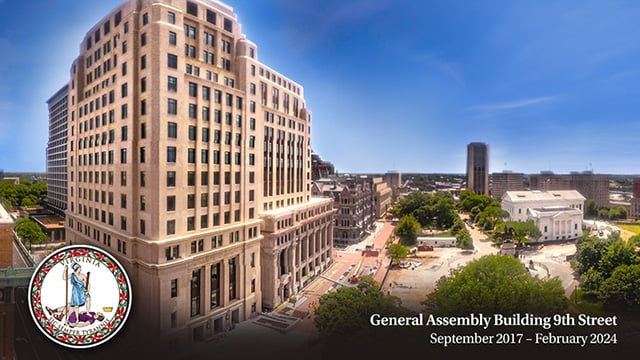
<point x="192" y="8"/>
<point x="211" y="17"/>
<point x="171" y="178"/>
<point x="171" y="154"/>
<point x="123" y="156"/>
<point x="172" y="61"/>
<point x="174" y="286"/>
<point x="215" y="283"/>
<point x="172" y="106"/>
<point x="171" y="229"/>
<point x="171" y="203"/>
<point x="172" y="130"/>
<point x="172" y="83"/>
<point x="195" y="293"/>
<point x="232" y="279"/>
<point x="228" y="25"/>
<point x="171" y="17"/>
<point x="172" y="38"/>
<point x="143" y="228"/>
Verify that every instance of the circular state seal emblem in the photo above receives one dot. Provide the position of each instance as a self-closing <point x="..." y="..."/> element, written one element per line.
<point x="80" y="296"/>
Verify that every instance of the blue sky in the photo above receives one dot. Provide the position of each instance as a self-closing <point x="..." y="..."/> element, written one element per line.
<point x="393" y="84"/>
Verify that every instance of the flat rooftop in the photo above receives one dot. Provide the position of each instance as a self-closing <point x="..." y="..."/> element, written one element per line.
<point x="50" y="221"/>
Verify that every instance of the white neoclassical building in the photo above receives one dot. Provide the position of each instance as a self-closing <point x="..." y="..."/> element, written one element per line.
<point x="558" y="214"/>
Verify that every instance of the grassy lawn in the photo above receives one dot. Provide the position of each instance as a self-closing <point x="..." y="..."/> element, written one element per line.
<point x="633" y="227"/>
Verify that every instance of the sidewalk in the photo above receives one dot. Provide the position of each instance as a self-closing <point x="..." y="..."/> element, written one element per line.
<point x="341" y="269"/>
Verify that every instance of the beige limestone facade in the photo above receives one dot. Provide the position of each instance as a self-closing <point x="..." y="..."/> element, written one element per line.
<point x="383" y="194"/>
<point x="184" y="153"/>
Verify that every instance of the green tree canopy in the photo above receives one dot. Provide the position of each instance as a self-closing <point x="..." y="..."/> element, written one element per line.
<point x="618" y="213"/>
<point x="591" y="208"/>
<point x="24" y="194"/>
<point x="618" y="253"/>
<point x="490" y="216"/>
<point x="470" y="200"/>
<point x="589" y="251"/>
<point x="623" y="287"/>
<point x="30" y="231"/>
<point x="437" y="210"/>
<point x="495" y="284"/>
<point x="521" y="232"/>
<point x="458" y="225"/>
<point x="397" y="253"/>
<point x="464" y="239"/>
<point x="342" y="316"/>
<point x="407" y="230"/>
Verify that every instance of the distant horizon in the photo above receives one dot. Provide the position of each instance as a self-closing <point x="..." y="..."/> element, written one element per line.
<point x="392" y="84"/>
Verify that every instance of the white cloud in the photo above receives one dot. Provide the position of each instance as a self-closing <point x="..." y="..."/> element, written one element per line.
<point x="513" y="104"/>
<point x="440" y="62"/>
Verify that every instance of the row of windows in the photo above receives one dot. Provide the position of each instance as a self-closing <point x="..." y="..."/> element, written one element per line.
<point x="210" y="16"/>
<point x="107" y="178"/>
<point x="217" y="156"/>
<point x="204" y="221"/>
<point x="204" y="199"/>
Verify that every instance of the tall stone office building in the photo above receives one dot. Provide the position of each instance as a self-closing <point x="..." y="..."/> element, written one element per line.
<point x="592" y="186"/>
<point x="478" y="168"/>
<point x="190" y="161"/>
<point x="58" y="106"/>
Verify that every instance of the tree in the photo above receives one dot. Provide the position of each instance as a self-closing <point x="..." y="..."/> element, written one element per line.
<point x="521" y="232"/>
<point x="603" y="213"/>
<point x="397" y="253"/>
<point x="464" y="239"/>
<point x="618" y="213"/>
<point x="623" y="287"/>
<point x="591" y="281"/>
<point x="589" y="251"/>
<point x="591" y="208"/>
<point x="617" y="254"/>
<point x="495" y="284"/>
<point x="342" y="316"/>
<point x="408" y="230"/>
<point x="458" y="225"/>
<point x="489" y="217"/>
<point x="29" y="231"/>
<point x="437" y="210"/>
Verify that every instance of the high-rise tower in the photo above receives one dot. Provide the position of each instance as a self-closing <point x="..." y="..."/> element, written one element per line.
<point x="478" y="168"/>
<point x="58" y="106"/>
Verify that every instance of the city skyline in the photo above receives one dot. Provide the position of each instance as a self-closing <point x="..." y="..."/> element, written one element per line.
<point x="541" y="83"/>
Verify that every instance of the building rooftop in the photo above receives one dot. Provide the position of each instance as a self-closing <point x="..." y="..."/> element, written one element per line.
<point x="315" y="201"/>
<point x="50" y="221"/>
<point x="553" y="211"/>
<point x="537" y="195"/>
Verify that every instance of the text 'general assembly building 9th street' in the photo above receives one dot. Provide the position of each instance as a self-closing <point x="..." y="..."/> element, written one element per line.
<point x="190" y="161"/>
